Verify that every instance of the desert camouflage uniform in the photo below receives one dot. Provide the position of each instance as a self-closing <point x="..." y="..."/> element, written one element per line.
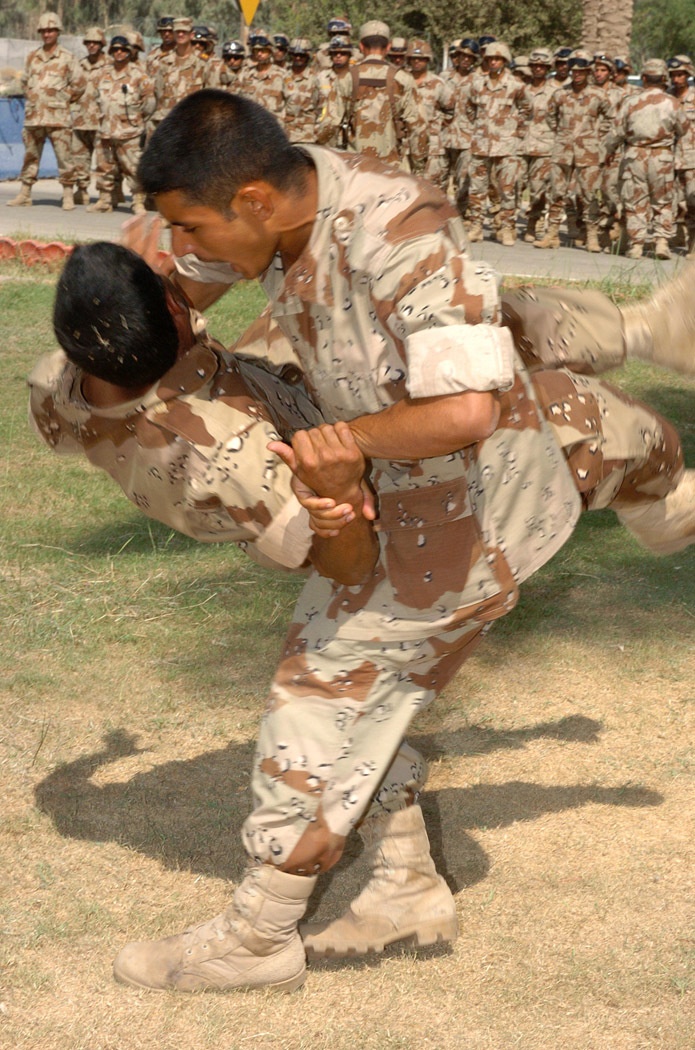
<point x="436" y="100"/>
<point x="265" y="86"/>
<point x="383" y="302"/>
<point x="300" y="96"/>
<point x="178" y="77"/>
<point x="575" y="118"/>
<point x="457" y="136"/>
<point x="154" y="58"/>
<point x="685" y="167"/>
<point x="52" y="84"/>
<point x="192" y="451"/>
<point x="499" y="110"/>
<point x="231" y="80"/>
<point x="610" y="203"/>
<point x="649" y="125"/>
<point x="122" y="124"/>
<point x="537" y="150"/>
<point x="85" y="121"/>
<point x="377" y="105"/>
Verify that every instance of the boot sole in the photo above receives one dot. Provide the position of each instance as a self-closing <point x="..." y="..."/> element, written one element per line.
<point x="291" y="984"/>
<point x="424" y="936"/>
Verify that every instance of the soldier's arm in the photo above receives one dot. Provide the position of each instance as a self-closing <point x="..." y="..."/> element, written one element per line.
<point x="334" y="112"/>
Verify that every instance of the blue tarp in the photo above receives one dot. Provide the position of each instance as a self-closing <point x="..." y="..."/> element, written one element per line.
<point x="11" y="146"/>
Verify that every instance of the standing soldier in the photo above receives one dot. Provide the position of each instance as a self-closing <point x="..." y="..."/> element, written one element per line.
<point x="165" y="28"/>
<point x="337" y="27"/>
<point x="499" y="109"/>
<point x="180" y="72"/>
<point x="85" y="122"/>
<point x="575" y="115"/>
<point x="263" y="81"/>
<point x="610" y="206"/>
<point x="537" y="147"/>
<point x="52" y="82"/>
<point x="231" y="72"/>
<point x="680" y="69"/>
<point x="397" y="53"/>
<point x="436" y="100"/>
<point x="126" y="98"/>
<point x="281" y="46"/>
<point x="650" y="124"/>
<point x="458" y="133"/>
<point x="300" y="94"/>
<point x="622" y="68"/>
<point x="561" y="66"/>
<point x="340" y="53"/>
<point x="376" y="104"/>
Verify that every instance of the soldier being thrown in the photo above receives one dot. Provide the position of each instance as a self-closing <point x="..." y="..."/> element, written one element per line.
<point x="351" y="252"/>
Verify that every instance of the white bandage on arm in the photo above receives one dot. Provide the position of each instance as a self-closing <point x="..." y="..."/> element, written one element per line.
<point x="456" y="358"/>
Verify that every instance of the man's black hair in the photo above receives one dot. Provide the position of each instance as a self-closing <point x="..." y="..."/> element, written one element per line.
<point x="213" y="143"/>
<point x="111" y="317"/>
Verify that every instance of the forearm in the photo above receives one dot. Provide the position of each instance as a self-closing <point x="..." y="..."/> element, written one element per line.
<point x="201" y="294"/>
<point x="350" y="556"/>
<point x="427" y="427"/>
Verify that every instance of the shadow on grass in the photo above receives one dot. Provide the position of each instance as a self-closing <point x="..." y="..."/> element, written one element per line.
<point x="188" y="814"/>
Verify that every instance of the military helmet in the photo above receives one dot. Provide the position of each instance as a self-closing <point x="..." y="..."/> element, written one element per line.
<point x="119" y="41"/>
<point x="301" y="45"/>
<point x="486" y="39"/>
<point x="419" y="49"/>
<point x="398" y="46"/>
<point x="182" y="24"/>
<point x="94" y="35"/>
<point x="681" y="64"/>
<point x="259" y="38"/>
<point x="498" y="49"/>
<point x="201" y="34"/>
<point x="468" y="45"/>
<point x="562" y="54"/>
<point x="233" y="47"/>
<point x="49" y="20"/>
<point x="375" y="28"/>
<point x="580" y="59"/>
<point x="281" y="42"/>
<point x="135" y="41"/>
<point x="540" y="56"/>
<point x="602" y="59"/>
<point x="165" y="22"/>
<point x="339" y="27"/>
<point x="621" y="63"/>
<point x="654" y="67"/>
<point x="339" y="43"/>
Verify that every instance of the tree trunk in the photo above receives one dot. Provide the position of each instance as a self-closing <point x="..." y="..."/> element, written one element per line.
<point x="607" y="26"/>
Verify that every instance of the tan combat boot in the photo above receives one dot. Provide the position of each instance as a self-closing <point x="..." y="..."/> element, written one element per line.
<point x="253" y="944"/>
<point x="68" y="199"/>
<point x="661" y="329"/>
<point x="102" y="204"/>
<point x="592" y="241"/>
<point x="404" y="899"/>
<point x="551" y="238"/>
<point x="661" y="249"/>
<point x="635" y="251"/>
<point x="81" y="195"/>
<point x="138" y="205"/>
<point x="666" y="525"/>
<point x="23" y="198"/>
<point x="530" y="235"/>
<point x="507" y="236"/>
<point x="475" y="233"/>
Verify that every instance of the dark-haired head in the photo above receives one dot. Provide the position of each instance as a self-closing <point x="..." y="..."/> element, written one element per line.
<point x="111" y="316"/>
<point x="213" y="143"/>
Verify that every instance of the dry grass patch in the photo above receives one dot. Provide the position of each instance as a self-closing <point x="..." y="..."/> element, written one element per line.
<point x="133" y="665"/>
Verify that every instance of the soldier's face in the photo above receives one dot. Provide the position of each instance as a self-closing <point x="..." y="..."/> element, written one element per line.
<point x="93" y="47"/>
<point x="601" y="73"/>
<point x="538" y="71"/>
<point x="49" y="37"/>
<point x="242" y="240"/>
<point x="299" y="62"/>
<point x="466" y="62"/>
<point x="495" y="64"/>
<point x="418" y="64"/>
<point x="120" y="56"/>
<point x="340" y="59"/>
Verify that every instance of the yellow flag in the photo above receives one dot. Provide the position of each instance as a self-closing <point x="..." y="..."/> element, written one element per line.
<point x="248" y="9"/>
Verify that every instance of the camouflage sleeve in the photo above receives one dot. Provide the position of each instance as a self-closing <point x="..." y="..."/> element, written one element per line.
<point x="335" y="110"/>
<point x="78" y="81"/>
<point x="49" y="382"/>
<point x="413" y="120"/>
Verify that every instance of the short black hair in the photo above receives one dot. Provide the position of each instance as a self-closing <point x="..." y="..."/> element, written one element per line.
<point x="213" y="143"/>
<point x="111" y="316"/>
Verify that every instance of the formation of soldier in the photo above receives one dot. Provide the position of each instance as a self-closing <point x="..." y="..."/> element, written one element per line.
<point x="549" y="137"/>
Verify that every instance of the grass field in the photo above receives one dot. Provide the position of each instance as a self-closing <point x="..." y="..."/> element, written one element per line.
<point x="133" y="666"/>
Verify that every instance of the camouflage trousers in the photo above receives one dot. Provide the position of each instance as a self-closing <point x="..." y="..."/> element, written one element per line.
<point x="34" y="140"/>
<point x="83" y="146"/>
<point x="459" y="163"/>
<point x="116" y="158"/>
<point x="586" y="182"/>
<point x="684" y="197"/>
<point x="610" y="204"/>
<point x="498" y="174"/>
<point x="437" y="170"/>
<point x="647" y="193"/>
<point x="538" y="179"/>
<point x="331" y="747"/>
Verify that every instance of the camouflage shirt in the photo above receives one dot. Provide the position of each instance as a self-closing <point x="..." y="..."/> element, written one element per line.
<point x="384" y="302"/>
<point x="124" y="112"/>
<point x="300" y="96"/>
<point x="266" y="87"/>
<point x="377" y="106"/>
<point x="436" y="100"/>
<point x="576" y="118"/>
<point x="685" y="148"/>
<point x="86" y="110"/>
<point x="178" y="77"/>
<point x="458" y="132"/>
<point x="652" y="119"/>
<point x="154" y="58"/>
<point x="499" y="110"/>
<point x="52" y="82"/>
<point x="539" y="139"/>
<point x="192" y="452"/>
